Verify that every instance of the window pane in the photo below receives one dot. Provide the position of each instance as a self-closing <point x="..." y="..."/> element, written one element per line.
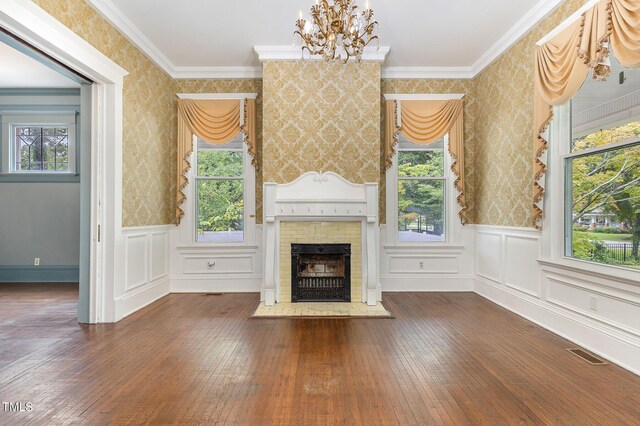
<point x="42" y="149"/>
<point x="605" y="206"/>
<point x="606" y="136"/>
<point x="220" y="211"/>
<point x="421" y="211"/>
<point x="421" y="163"/>
<point x="218" y="163"/>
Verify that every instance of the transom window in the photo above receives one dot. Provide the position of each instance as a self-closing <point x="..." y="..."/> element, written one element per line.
<point x="602" y="172"/>
<point x="43" y="149"/>
<point x="220" y="186"/>
<point x="39" y="143"/>
<point x="421" y="192"/>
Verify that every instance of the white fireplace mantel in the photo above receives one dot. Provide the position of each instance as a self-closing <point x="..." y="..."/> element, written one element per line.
<point x="321" y="197"/>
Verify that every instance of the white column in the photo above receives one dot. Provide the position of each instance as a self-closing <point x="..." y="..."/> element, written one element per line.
<point x="269" y="284"/>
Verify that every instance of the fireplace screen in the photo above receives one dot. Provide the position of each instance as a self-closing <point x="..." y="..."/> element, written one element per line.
<point x="320" y="272"/>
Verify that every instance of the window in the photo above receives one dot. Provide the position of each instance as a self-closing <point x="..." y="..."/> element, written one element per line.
<point x="34" y="144"/>
<point x="421" y="192"/>
<point x="42" y="149"/>
<point x="602" y="174"/>
<point x="220" y="189"/>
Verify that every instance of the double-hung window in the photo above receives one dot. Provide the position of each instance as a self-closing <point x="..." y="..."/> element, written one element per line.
<point x="220" y="191"/>
<point x="421" y="192"/>
<point x="602" y="172"/>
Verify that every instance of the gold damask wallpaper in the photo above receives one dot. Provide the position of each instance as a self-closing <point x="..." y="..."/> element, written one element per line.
<point x="236" y="85"/>
<point x="321" y="116"/>
<point x="422" y="86"/>
<point x="504" y="130"/>
<point x="312" y="122"/>
<point x="149" y="116"/>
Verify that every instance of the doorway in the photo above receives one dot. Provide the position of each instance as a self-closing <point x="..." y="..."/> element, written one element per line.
<point x="45" y="112"/>
<point x="101" y="221"/>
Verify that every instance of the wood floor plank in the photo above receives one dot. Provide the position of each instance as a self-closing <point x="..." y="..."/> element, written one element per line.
<point x="446" y="358"/>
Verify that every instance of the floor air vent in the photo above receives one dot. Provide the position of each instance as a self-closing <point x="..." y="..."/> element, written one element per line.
<point x="591" y="359"/>
<point x="212" y="294"/>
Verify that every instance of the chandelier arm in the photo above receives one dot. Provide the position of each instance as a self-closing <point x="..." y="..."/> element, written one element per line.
<point x="336" y="30"/>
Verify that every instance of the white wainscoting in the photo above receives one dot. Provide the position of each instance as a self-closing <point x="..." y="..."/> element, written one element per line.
<point x="201" y="268"/>
<point x="145" y="257"/>
<point x="600" y="313"/>
<point x="436" y="267"/>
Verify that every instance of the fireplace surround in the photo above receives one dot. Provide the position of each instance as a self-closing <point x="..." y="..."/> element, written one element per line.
<point x="321" y="198"/>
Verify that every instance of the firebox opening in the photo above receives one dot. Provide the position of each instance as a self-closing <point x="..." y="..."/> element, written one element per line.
<point x="320" y="272"/>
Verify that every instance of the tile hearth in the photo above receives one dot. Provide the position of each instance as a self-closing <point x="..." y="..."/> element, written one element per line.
<point x="321" y="309"/>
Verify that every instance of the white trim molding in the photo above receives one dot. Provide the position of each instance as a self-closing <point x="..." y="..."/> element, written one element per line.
<point x="462" y="73"/>
<point x="321" y="197"/>
<point x="32" y="24"/>
<point x="570" y="20"/>
<point x="536" y="14"/>
<point x="293" y="53"/>
<point x="110" y="12"/>
<point x="215" y="72"/>
<point x="597" y="311"/>
<point x="210" y="96"/>
<point x="423" y="97"/>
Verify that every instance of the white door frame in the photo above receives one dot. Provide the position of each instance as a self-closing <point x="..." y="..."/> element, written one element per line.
<point x="32" y="24"/>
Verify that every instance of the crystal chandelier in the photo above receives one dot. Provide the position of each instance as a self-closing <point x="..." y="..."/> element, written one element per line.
<point x="337" y="29"/>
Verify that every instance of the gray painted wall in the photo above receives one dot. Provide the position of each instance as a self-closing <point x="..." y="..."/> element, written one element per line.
<point x="39" y="220"/>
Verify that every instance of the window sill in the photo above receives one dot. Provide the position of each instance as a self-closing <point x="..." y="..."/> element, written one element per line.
<point x="39" y="177"/>
<point x="622" y="275"/>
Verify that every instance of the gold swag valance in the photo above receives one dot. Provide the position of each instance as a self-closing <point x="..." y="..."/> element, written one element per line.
<point x="424" y="122"/>
<point x="563" y="63"/>
<point x="215" y="122"/>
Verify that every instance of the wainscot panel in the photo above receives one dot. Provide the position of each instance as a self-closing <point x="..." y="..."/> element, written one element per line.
<point x="427" y="267"/>
<point x="209" y="268"/>
<point x="600" y="313"/>
<point x="145" y="257"/>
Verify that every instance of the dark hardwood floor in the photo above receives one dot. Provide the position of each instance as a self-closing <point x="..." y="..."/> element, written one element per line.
<point x="189" y="358"/>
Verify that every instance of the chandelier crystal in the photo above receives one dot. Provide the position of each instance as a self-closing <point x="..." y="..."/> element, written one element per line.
<point x="336" y="30"/>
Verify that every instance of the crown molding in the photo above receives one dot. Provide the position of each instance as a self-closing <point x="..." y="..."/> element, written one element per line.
<point x="265" y="53"/>
<point x="570" y="20"/>
<point x="112" y="14"/>
<point x="390" y="73"/>
<point x="216" y="72"/>
<point x="515" y="33"/>
<point x="294" y="53"/>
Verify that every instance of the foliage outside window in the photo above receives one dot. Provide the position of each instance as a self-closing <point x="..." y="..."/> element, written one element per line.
<point x="421" y="193"/>
<point x="219" y="188"/>
<point x="40" y="149"/>
<point x="603" y="196"/>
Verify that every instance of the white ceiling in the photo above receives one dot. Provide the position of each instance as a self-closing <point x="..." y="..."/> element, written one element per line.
<point x="445" y="34"/>
<point x="21" y="71"/>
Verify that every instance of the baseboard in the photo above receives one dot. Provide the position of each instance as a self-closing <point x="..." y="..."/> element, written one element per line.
<point x="426" y="283"/>
<point x="133" y="301"/>
<point x="250" y="284"/>
<point x="39" y="274"/>
<point x="620" y="348"/>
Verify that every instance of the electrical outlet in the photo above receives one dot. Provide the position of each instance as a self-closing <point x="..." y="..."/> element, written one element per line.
<point x="36" y="261"/>
<point x="421" y="265"/>
<point x="593" y="303"/>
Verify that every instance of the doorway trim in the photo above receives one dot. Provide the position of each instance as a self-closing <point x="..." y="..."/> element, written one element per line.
<point x="32" y="24"/>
